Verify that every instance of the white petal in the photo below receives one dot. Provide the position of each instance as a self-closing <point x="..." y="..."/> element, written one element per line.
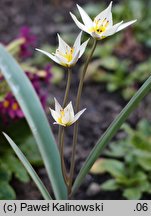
<point x="86" y="19"/>
<point x="79" y="24"/>
<point x="58" y="107"/>
<point x="66" y="117"/>
<point x="77" y="42"/>
<point x="75" y="58"/>
<point x="61" y="59"/>
<point x="71" y="111"/>
<point x="54" y="114"/>
<point x="111" y="30"/>
<point x="95" y="35"/>
<point x="77" y="116"/>
<point x="105" y="14"/>
<point x="59" y="124"/>
<point x="63" y="46"/>
<point x="124" y="25"/>
<point x="49" y="55"/>
<point x="82" y="48"/>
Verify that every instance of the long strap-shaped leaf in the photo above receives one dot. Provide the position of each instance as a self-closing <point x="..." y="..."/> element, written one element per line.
<point x="111" y="131"/>
<point x="36" y="118"/>
<point x="29" y="168"/>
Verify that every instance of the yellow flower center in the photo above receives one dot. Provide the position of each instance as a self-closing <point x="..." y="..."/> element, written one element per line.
<point x="60" y="118"/>
<point x="6" y="103"/>
<point x="68" y="54"/>
<point x="14" y="106"/>
<point x="98" y="29"/>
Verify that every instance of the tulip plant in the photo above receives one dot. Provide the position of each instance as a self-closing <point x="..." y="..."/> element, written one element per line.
<point x="62" y="182"/>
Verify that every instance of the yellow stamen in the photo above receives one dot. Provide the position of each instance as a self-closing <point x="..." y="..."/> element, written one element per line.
<point x="6" y="103"/>
<point x="60" y="118"/>
<point x="98" y="29"/>
<point x="14" y="106"/>
<point x="68" y="55"/>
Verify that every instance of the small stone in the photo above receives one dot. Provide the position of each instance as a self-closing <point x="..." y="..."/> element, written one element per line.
<point x="93" y="189"/>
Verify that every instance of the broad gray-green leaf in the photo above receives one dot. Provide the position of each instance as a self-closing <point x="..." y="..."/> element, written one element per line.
<point x="36" y="118"/>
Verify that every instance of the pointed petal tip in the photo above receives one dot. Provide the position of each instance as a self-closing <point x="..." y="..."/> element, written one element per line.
<point x="70" y="13"/>
<point x="55" y="100"/>
<point x="51" y="109"/>
<point x="110" y="5"/>
<point x="37" y="49"/>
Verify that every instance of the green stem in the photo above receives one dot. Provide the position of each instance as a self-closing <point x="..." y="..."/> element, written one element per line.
<point x="83" y="75"/>
<point x="75" y="133"/>
<point x="111" y="131"/>
<point x="67" y="88"/>
<point x="65" y="101"/>
<point x="62" y="155"/>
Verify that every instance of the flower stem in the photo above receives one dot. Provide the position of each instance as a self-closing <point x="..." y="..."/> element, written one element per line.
<point x="61" y="129"/>
<point x="62" y="156"/>
<point x="67" y="88"/>
<point x="75" y="133"/>
<point x="65" y="101"/>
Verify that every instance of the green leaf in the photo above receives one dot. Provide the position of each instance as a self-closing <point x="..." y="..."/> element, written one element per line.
<point x="111" y="131"/>
<point x="144" y="127"/>
<point x="145" y="163"/>
<point x="110" y="63"/>
<point x="132" y="193"/>
<point x="114" y="167"/>
<point x="29" y="168"/>
<point x="5" y="173"/>
<point x="29" y="148"/>
<point x="14" y="165"/>
<point x="116" y="149"/>
<point x="36" y="118"/>
<point x="110" y="185"/>
<point x="141" y="143"/>
<point x="6" y="191"/>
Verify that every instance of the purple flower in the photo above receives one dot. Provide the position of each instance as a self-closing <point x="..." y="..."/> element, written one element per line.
<point x="9" y="107"/>
<point x="30" y="42"/>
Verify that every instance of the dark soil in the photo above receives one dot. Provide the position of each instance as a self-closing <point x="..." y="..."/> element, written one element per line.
<point x="102" y="107"/>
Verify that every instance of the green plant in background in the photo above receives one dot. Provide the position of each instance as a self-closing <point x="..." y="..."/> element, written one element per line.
<point x="117" y="75"/>
<point x="129" y="162"/>
<point x="61" y="181"/>
<point x="10" y="166"/>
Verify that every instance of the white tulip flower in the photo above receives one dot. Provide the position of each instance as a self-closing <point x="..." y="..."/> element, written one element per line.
<point x="66" y="116"/>
<point x="66" y="55"/>
<point x="102" y="25"/>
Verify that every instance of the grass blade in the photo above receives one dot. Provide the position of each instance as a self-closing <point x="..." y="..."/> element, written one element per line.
<point x="111" y="131"/>
<point x="29" y="169"/>
<point x="36" y="118"/>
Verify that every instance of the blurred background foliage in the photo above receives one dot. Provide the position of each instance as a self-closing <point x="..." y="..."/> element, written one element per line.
<point x="128" y="161"/>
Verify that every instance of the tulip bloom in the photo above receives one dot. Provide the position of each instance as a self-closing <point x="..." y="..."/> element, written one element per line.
<point x="102" y="25"/>
<point x="66" y="55"/>
<point x="66" y="116"/>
